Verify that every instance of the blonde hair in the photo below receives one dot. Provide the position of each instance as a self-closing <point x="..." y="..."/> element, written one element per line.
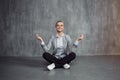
<point x="58" y="22"/>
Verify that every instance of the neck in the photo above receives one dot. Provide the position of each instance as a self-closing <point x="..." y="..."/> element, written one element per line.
<point x="59" y="33"/>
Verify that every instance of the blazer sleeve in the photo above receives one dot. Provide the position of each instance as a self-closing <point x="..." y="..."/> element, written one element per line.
<point x="47" y="47"/>
<point x="72" y="44"/>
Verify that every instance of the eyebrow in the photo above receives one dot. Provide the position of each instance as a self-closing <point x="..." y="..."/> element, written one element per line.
<point x="60" y="25"/>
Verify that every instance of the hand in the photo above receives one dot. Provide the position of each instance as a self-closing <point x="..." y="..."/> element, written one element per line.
<point x="39" y="37"/>
<point x="80" y="37"/>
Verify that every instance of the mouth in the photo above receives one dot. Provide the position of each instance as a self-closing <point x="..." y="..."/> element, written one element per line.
<point x="59" y="29"/>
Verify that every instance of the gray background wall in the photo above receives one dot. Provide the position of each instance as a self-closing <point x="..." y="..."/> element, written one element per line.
<point x="98" y="20"/>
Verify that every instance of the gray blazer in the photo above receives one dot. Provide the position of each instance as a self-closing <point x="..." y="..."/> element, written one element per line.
<point x="67" y="43"/>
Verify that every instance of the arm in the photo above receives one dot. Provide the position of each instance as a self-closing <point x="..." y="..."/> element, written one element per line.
<point x="43" y="45"/>
<point x="78" y="40"/>
<point x="70" y="45"/>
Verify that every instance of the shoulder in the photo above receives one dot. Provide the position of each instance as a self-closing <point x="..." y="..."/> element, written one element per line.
<point x="67" y="36"/>
<point x="52" y="36"/>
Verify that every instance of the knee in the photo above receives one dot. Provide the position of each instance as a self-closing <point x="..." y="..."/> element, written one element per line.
<point x="45" y="54"/>
<point x="73" y="55"/>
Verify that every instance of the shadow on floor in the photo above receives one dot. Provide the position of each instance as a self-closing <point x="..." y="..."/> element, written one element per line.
<point x="24" y="61"/>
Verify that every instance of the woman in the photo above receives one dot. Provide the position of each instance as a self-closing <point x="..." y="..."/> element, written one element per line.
<point x="62" y="46"/>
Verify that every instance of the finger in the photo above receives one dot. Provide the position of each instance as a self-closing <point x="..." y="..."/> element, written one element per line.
<point x="37" y="35"/>
<point x="81" y="35"/>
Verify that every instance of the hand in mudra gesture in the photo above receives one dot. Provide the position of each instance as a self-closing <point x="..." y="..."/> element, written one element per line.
<point x="80" y="37"/>
<point x="39" y="37"/>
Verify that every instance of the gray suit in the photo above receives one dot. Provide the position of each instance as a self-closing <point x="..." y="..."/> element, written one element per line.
<point x="67" y="44"/>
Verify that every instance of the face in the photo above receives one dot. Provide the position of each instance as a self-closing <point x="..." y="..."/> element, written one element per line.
<point x="59" y="27"/>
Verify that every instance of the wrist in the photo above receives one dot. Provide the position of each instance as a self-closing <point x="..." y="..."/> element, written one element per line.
<point x="79" y="39"/>
<point x="41" y="40"/>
